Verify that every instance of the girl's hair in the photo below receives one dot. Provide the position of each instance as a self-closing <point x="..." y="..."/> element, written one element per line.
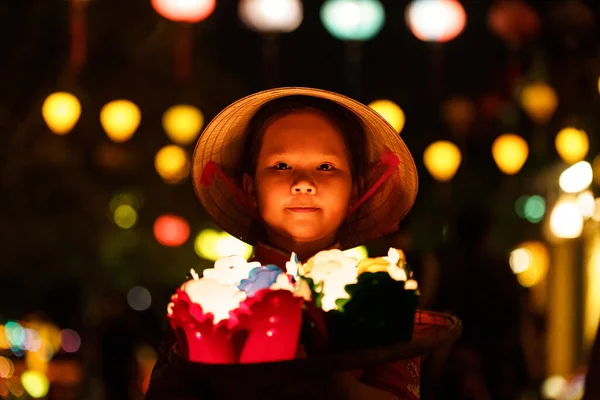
<point x="345" y="122"/>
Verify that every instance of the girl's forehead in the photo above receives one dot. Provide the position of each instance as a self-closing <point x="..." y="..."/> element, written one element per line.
<point x="303" y="132"/>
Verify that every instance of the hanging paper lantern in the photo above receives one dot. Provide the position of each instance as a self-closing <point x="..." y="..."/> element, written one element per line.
<point x="61" y="111"/>
<point x="566" y="221"/>
<point x="391" y="112"/>
<point x="120" y="119"/>
<point x="184" y="10"/>
<point x="182" y="123"/>
<point x="510" y="152"/>
<point x="572" y="144"/>
<point x="513" y="21"/>
<point x="436" y="20"/>
<point x="459" y="113"/>
<point x="271" y="16"/>
<point x="442" y="160"/>
<point x="539" y="101"/>
<point x="171" y="230"/>
<point x="577" y="177"/>
<point x="357" y="20"/>
<point x="172" y="164"/>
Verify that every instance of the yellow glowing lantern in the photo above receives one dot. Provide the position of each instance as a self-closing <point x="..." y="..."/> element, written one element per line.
<point x="510" y="152"/>
<point x="586" y="203"/>
<point x="120" y="119"/>
<point x="566" y="220"/>
<point x="35" y="383"/>
<point x="391" y="112"/>
<point x="172" y="163"/>
<point x="442" y="160"/>
<point x="572" y="144"/>
<point x="61" y="111"/>
<point x="212" y="245"/>
<point x="576" y="178"/>
<point x="530" y="262"/>
<point x="182" y="123"/>
<point x="539" y="101"/>
<point x="125" y="216"/>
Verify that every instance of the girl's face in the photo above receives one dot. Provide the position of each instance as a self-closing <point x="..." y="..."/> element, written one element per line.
<point x="303" y="183"/>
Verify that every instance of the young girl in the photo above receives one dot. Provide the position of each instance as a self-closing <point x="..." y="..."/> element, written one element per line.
<point x="304" y="170"/>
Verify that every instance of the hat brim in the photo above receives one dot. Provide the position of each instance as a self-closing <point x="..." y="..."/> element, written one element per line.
<point x="222" y="142"/>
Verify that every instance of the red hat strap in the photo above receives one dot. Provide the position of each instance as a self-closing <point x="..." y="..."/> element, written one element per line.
<point x="387" y="158"/>
<point x="208" y="175"/>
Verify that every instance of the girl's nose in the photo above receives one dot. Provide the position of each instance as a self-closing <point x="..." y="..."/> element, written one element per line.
<point x="303" y="185"/>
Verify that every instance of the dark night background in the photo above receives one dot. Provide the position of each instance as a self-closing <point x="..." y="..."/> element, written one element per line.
<point x="61" y="255"/>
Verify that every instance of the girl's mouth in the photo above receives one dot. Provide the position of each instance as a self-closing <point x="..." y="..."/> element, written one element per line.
<point x="303" y="209"/>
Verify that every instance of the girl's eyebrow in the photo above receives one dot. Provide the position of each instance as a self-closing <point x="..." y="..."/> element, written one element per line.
<point x="304" y="155"/>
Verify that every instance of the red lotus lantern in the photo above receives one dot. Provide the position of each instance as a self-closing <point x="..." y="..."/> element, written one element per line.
<point x="184" y="10"/>
<point x="171" y="230"/>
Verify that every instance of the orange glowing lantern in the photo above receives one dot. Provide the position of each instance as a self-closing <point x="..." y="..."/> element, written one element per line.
<point x="513" y="21"/>
<point x="459" y="113"/>
<point x="171" y="230"/>
<point x="184" y="10"/>
<point x="539" y="101"/>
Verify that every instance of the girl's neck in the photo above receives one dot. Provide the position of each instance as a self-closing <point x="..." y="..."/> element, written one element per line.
<point x="304" y="250"/>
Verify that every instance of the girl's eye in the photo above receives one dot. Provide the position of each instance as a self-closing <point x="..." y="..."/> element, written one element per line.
<point x="325" y="167"/>
<point x="282" y="166"/>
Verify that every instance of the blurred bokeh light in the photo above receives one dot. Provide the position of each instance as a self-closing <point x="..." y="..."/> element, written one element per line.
<point x="510" y="152"/>
<point x="139" y="298"/>
<point x="572" y="144"/>
<point x="182" y="123"/>
<point x="566" y="221"/>
<point x="172" y="164"/>
<point x="212" y="245"/>
<point x="125" y="216"/>
<point x="184" y="10"/>
<point x="356" y="20"/>
<point x="576" y="178"/>
<point x="120" y="119"/>
<point x="271" y="16"/>
<point x="171" y="230"/>
<point x="442" y="159"/>
<point x="436" y="20"/>
<point x="61" y="111"/>
<point x="539" y="101"/>
<point x="391" y="112"/>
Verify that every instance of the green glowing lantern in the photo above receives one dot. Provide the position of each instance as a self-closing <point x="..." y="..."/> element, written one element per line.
<point x="356" y="20"/>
